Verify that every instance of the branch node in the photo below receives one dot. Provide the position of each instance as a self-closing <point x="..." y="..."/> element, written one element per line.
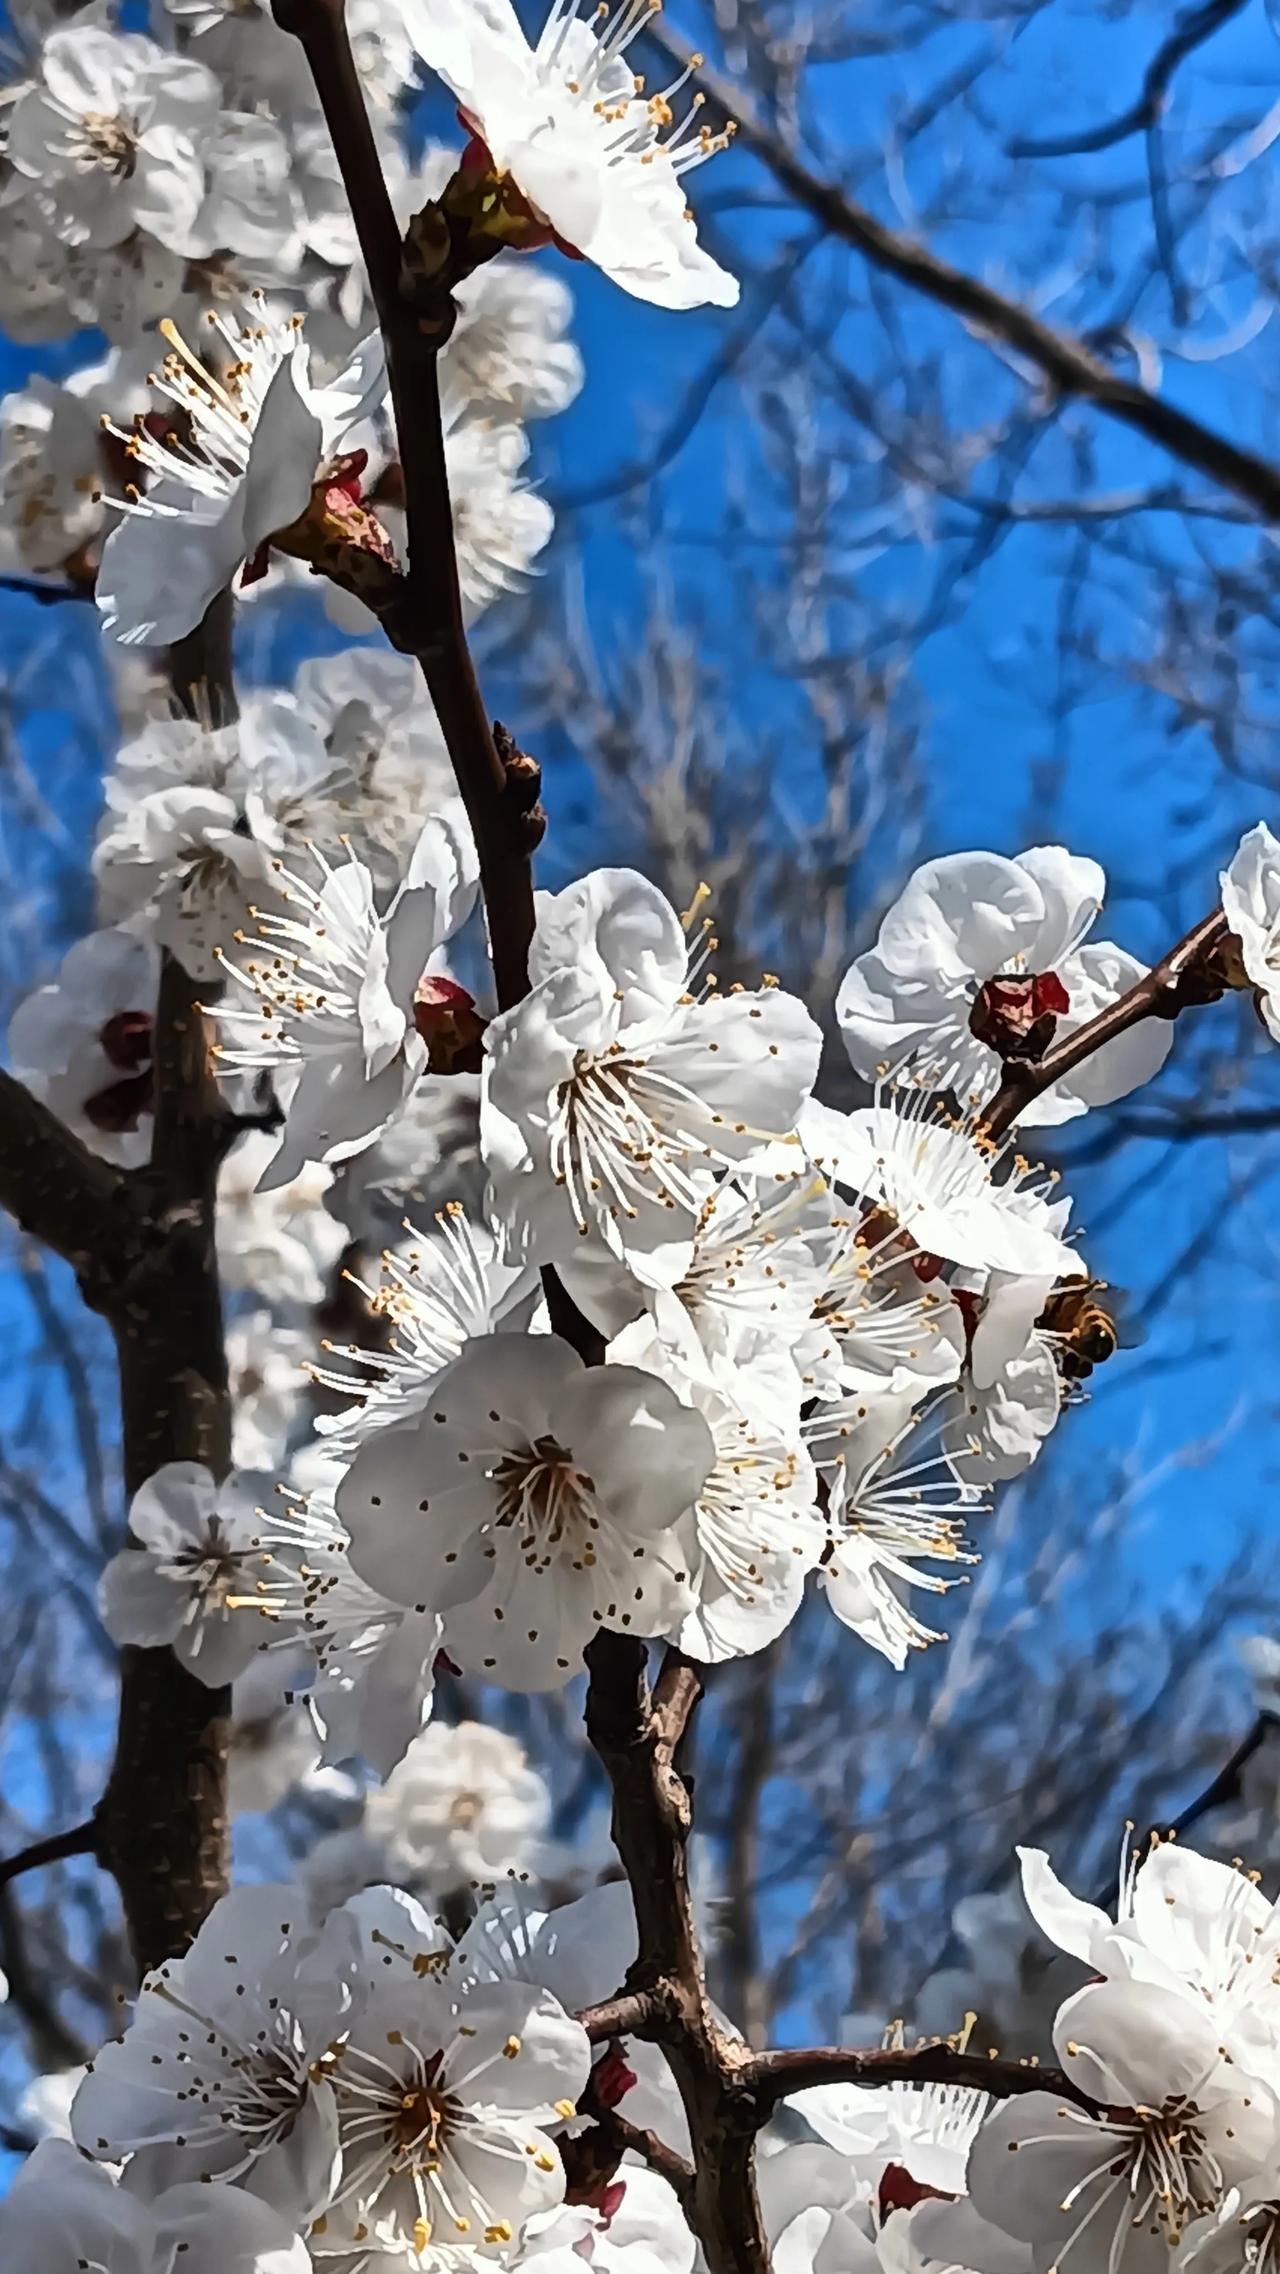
<point x="523" y="789"/>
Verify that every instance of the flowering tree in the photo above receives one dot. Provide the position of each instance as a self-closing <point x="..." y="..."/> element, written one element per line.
<point x="691" y="1344"/>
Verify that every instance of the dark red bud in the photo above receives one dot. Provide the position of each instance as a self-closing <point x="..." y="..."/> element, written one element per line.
<point x="446" y="1017"/>
<point x="120" y="1106"/>
<point x="967" y="1305"/>
<point x="256" y="567"/>
<point x="1049" y="994"/>
<point x="343" y="478"/>
<point x="477" y="157"/>
<point x="126" y="1040"/>
<point x="612" y="2077"/>
<point x="611" y="2199"/>
<point x="899" y="2191"/>
<point x="1016" y="1016"/>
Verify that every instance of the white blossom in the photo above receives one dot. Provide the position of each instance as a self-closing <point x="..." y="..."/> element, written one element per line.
<point x="181" y="857"/>
<point x="507" y="357"/>
<point x="267" y="1381"/>
<point x="63" y="2216"/>
<point x="1194" y="1927"/>
<point x="1011" y="1393"/>
<point x="332" y="988"/>
<point x="226" y="2069"/>
<point x="83" y="1043"/>
<point x="53" y="466"/>
<point x="880" y="1328"/>
<point x="110" y="132"/>
<point x="375" y="1659"/>
<point x="894" y="1502"/>
<point x="279" y="1244"/>
<point x="816" y="2207"/>
<point x="464" y="1805"/>
<point x="970" y="920"/>
<point x="1114" y="2191"/>
<point x="612" y="1094"/>
<point x="1242" y="2237"/>
<point x="192" y="1582"/>
<point x="752" y="1279"/>
<point x="357" y="734"/>
<point x="433" y="1147"/>
<point x="583" y="144"/>
<point x="273" y="1744"/>
<point x="443" y="1290"/>
<point x="754" y="1529"/>
<point x="444" y="2091"/>
<point x="529" y="1504"/>
<point x="500" y="522"/>
<point x="1251" y="904"/>
<point x="926" y="2129"/>
<point x="641" y="2230"/>
<point x="258" y="437"/>
<point x="937" y="1178"/>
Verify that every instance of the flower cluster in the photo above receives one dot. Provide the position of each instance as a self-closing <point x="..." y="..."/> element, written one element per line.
<point x="177" y="189"/>
<point x="383" y="2090"/>
<point x="1165" y="2146"/>
<point x="353" y="2088"/>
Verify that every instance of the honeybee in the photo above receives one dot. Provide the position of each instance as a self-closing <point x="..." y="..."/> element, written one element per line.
<point x="1086" y="1332"/>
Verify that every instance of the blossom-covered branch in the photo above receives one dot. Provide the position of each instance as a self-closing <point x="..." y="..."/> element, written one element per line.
<point x="162" y="1824"/>
<point x="1183" y="977"/>
<point x="425" y="617"/>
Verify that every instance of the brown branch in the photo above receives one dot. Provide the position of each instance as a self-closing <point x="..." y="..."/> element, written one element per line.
<point x="654" y="2151"/>
<point x="427" y="618"/>
<point x="1072" y="367"/>
<point x="775" y="2075"/>
<point x="631" y="2014"/>
<point x="1182" y="978"/>
<point x="637" y="1737"/>
<point x="163" y="1821"/>
<point x="61" y="1193"/>
<point x="1193" y="28"/>
<point x="747" y="1990"/>
<point x="1226" y="1785"/>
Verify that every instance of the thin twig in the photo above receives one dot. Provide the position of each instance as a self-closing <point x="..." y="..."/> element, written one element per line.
<point x="1192" y="29"/>
<point x="654" y="2151"/>
<point x="638" y="1737"/>
<point x="1181" y="978"/>
<point x="631" y="2014"/>
<point x="1226" y="1785"/>
<point x="1072" y="367"/>
<point x="774" y="2076"/>
<point x="80" y="1841"/>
